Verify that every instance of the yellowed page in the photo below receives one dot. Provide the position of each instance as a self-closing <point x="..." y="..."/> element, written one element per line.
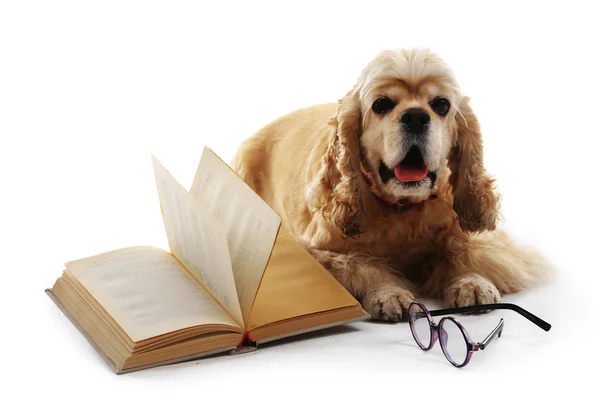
<point x="250" y="223"/>
<point x="147" y="292"/>
<point x="197" y="240"/>
<point x="295" y="285"/>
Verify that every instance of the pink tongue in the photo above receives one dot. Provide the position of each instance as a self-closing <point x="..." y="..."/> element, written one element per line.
<point x="405" y="174"/>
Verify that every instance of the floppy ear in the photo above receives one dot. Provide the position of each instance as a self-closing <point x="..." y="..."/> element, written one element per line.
<point x="475" y="201"/>
<point x="335" y="190"/>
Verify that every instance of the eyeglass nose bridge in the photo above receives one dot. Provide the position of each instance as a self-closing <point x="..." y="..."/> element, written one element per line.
<point x="435" y="333"/>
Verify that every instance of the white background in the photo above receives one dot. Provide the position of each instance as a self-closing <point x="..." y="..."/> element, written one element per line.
<point x="88" y="91"/>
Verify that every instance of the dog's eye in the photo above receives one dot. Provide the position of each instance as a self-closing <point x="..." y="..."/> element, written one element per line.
<point x="383" y="105"/>
<point x="440" y="105"/>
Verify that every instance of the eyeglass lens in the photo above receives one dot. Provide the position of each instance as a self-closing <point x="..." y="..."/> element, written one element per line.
<point x="453" y="342"/>
<point x="419" y="324"/>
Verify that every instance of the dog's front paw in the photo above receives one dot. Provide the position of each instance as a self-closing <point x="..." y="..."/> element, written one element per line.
<point x="471" y="290"/>
<point x="387" y="302"/>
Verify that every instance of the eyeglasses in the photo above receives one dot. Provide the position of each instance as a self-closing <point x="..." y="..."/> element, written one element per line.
<point x="454" y="339"/>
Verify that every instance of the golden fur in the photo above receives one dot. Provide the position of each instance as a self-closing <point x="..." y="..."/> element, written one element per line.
<point x="307" y="165"/>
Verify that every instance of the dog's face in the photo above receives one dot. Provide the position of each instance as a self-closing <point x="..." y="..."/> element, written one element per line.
<point x="408" y="105"/>
<point x="403" y="123"/>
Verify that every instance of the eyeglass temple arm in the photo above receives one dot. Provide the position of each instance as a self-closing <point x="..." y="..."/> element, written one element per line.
<point x="482" y="308"/>
<point x="496" y="332"/>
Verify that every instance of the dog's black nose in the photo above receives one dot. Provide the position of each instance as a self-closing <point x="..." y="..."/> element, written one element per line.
<point x="415" y="120"/>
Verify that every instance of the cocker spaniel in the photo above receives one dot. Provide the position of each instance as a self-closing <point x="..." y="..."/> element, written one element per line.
<point x="388" y="191"/>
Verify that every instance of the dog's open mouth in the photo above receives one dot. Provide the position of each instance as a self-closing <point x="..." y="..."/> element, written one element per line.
<point x="410" y="172"/>
<point x="412" y="168"/>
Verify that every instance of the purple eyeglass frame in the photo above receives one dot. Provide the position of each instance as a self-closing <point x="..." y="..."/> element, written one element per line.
<point x="437" y="330"/>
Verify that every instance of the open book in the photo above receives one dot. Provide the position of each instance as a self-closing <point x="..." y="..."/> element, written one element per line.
<point x="233" y="279"/>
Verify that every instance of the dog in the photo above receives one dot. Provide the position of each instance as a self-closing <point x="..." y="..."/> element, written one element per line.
<point x="388" y="191"/>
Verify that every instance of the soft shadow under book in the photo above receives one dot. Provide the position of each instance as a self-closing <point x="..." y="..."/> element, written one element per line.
<point x="232" y="279"/>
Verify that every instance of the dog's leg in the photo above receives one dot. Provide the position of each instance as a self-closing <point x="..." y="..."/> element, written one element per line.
<point x="382" y="294"/>
<point x="479" y="269"/>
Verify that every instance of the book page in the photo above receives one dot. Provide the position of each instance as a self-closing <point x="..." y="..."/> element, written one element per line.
<point x="197" y="240"/>
<point x="147" y="292"/>
<point x="296" y="285"/>
<point x="251" y="225"/>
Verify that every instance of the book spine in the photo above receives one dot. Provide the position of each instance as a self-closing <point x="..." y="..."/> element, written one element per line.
<point x="245" y="345"/>
<point x="246" y="341"/>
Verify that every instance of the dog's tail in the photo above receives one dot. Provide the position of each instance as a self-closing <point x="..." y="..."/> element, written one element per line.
<point x="512" y="267"/>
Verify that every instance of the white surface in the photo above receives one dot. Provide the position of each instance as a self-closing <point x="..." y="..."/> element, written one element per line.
<point x="87" y="92"/>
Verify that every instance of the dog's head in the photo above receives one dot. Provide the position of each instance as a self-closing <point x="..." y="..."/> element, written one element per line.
<point x="404" y="122"/>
